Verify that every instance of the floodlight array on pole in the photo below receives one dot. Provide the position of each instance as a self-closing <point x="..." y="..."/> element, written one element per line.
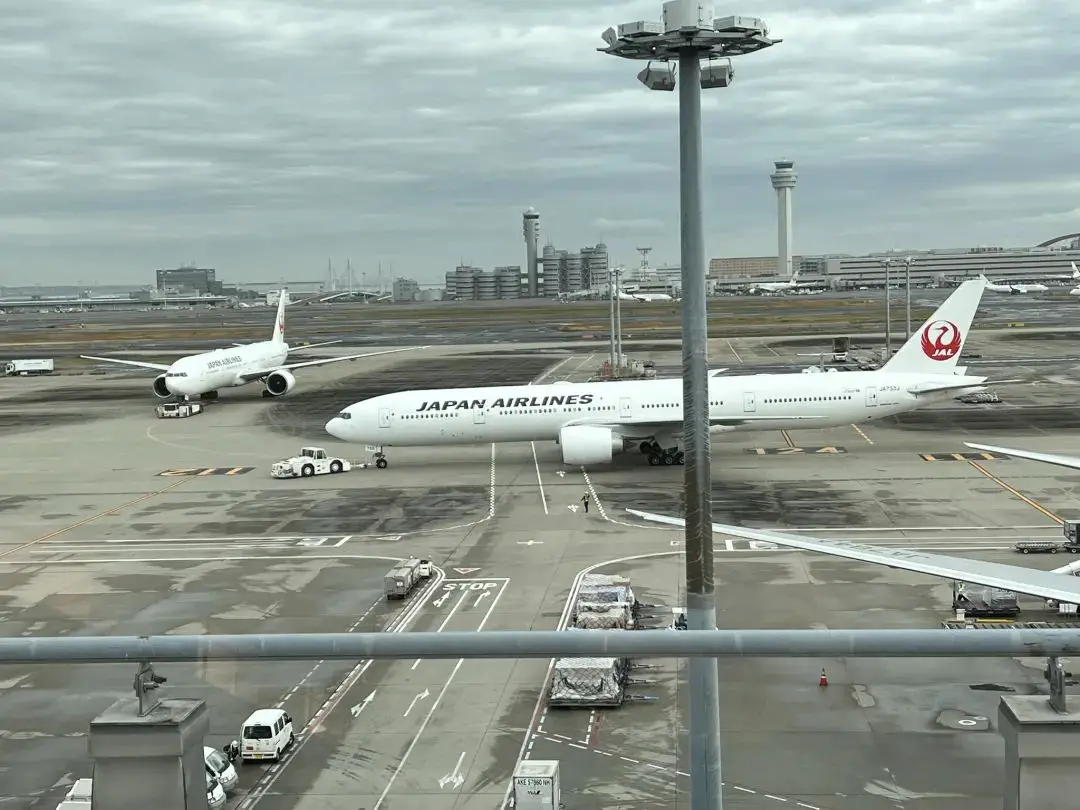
<point x="702" y="47"/>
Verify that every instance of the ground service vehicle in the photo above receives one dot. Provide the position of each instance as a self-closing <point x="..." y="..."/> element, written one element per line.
<point x="266" y="734"/>
<point x="219" y="767"/>
<point x="178" y="410"/>
<point x="28" y="368"/>
<point x="402" y="578"/>
<point x="311" y="461"/>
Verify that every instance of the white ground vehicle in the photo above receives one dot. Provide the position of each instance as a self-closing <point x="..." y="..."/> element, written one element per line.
<point x="218" y="766"/>
<point x="28" y="368"/>
<point x="178" y="410"/>
<point x="311" y="461"/>
<point x="267" y="734"/>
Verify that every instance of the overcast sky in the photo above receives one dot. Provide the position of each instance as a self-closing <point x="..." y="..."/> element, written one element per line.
<point x="263" y="137"/>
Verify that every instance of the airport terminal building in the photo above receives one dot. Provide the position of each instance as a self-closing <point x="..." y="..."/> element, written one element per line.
<point x="940" y="266"/>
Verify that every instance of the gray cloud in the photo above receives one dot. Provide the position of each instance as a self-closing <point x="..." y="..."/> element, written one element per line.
<point x="262" y="136"/>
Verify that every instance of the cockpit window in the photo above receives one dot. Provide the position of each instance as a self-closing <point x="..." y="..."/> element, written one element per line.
<point x="344" y="415"/>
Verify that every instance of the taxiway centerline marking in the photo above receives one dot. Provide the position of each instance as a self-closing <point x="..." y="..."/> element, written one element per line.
<point x="536" y="460"/>
<point x="1014" y="491"/>
<point x="97" y="516"/>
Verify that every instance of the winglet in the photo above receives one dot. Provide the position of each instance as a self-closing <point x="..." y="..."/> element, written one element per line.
<point x="936" y="347"/>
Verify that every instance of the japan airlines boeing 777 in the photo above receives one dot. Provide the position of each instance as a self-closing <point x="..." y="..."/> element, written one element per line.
<point x="594" y="421"/>
<point x="203" y="374"/>
<point x="1047" y="584"/>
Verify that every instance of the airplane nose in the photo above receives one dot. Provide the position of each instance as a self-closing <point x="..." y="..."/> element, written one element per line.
<point x="336" y="428"/>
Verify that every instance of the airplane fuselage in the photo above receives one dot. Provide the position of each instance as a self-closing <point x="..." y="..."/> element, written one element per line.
<point x="200" y="374"/>
<point x="539" y="412"/>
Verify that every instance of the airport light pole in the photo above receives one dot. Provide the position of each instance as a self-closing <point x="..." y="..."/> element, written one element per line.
<point x="688" y="35"/>
<point x="908" y="261"/>
<point x="612" y="298"/>
<point x="887" y="263"/>
<point x="618" y="322"/>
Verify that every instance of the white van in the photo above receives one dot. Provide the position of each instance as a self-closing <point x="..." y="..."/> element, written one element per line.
<point x="266" y="735"/>
<point x="218" y="766"/>
<point x="215" y="794"/>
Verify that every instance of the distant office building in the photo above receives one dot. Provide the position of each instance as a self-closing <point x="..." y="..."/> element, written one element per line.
<point x="189" y="280"/>
<point x="508" y="281"/>
<point x="573" y="271"/>
<point x="405" y="290"/>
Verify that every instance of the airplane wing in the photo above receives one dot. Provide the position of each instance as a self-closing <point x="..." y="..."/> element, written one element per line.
<point x="649" y="425"/>
<point x="257" y="375"/>
<point x="313" y="345"/>
<point x="135" y="363"/>
<point x="1072" y="462"/>
<point x="1045" y="584"/>
<point x="933" y="388"/>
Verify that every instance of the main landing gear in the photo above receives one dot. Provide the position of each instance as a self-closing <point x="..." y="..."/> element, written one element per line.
<point x="659" y="457"/>
<point x="209" y="395"/>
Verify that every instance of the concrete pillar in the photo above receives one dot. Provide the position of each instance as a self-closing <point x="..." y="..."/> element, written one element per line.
<point x="153" y="761"/>
<point x="1042" y="754"/>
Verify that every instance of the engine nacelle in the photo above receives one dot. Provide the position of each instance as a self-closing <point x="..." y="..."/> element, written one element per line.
<point x="583" y="445"/>
<point x="160" y="389"/>
<point x="280" y="383"/>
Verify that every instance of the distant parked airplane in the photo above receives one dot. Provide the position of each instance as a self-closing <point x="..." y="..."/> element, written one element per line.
<point x="203" y="374"/>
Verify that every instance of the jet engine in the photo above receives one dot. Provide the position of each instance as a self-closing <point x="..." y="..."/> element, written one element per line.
<point x="279" y="383"/>
<point x="160" y="390"/>
<point x="583" y="445"/>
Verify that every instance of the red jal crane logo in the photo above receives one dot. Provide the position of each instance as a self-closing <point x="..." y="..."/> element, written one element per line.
<point x="941" y="340"/>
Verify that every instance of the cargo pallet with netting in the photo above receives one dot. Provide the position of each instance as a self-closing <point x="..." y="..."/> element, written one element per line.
<point x="603" y="602"/>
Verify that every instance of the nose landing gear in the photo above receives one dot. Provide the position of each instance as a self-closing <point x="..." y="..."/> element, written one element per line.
<point x="379" y="457"/>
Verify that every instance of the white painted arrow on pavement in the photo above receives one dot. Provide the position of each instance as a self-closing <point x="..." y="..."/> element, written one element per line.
<point x="421" y="696"/>
<point x="454" y="777"/>
<point x="363" y="704"/>
<point x="481" y="598"/>
<point x="466" y="570"/>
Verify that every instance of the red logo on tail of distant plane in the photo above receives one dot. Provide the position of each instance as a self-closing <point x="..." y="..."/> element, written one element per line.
<point x="281" y="326"/>
<point x="941" y="340"/>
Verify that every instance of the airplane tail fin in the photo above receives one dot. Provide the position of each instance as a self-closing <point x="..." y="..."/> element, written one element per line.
<point x="936" y="347"/>
<point x="1076" y="273"/>
<point x="279" y="324"/>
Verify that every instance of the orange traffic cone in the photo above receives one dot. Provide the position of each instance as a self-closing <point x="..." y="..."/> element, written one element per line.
<point x="824" y="679"/>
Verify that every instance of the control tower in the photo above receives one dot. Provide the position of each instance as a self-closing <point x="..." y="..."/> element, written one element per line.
<point x="530" y="221"/>
<point x="783" y="180"/>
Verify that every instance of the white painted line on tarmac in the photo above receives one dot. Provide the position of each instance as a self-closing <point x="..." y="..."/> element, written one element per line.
<point x="536" y="461"/>
<point x="399" y="625"/>
<point x="435" y="705"/>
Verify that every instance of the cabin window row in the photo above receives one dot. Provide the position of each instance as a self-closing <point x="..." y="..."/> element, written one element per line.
<point x="779" y="400"/>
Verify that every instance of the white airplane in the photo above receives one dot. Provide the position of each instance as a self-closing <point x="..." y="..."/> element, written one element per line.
<point x="1015" y="289"/>
<point x="644" y="297"/>
<point x="203" y="374"/>
<point x="1075" y="277"/>
<point x="1046" y="584"/>
<point x="594" y="421"/>
<point x="777" y="286"/>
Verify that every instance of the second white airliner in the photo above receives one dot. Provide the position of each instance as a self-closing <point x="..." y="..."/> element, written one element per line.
<point x="594" y="421"/>
<point x="201" y="375"/>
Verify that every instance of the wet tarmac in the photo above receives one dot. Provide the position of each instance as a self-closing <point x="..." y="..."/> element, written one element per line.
<point x="100" y="541"/>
